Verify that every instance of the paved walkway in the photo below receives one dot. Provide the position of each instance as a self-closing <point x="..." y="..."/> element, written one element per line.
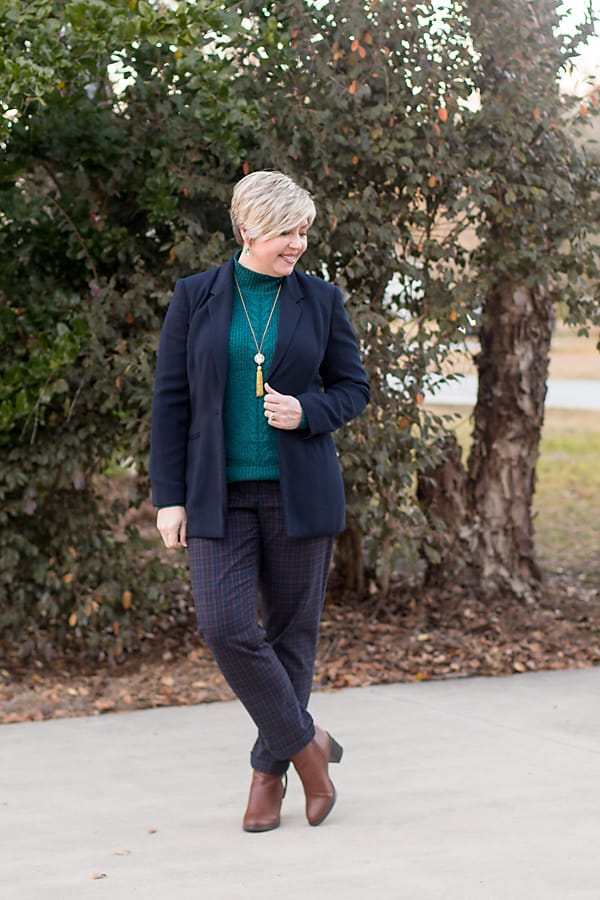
<point x="561" y="394"/>
<point x="479" y="789"/>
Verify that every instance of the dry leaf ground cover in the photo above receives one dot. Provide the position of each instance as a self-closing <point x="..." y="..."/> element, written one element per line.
<point x="407" y="641"/>
<point x="406" y="638"/>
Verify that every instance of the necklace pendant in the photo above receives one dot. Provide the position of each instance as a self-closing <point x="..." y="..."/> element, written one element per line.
<point x="259" y="359"/>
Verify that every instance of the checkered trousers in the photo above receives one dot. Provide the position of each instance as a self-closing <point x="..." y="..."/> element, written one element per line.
<point x="268" y="665"/>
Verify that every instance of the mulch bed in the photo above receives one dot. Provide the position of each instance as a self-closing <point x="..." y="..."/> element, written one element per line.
<point x="408" y="640"/>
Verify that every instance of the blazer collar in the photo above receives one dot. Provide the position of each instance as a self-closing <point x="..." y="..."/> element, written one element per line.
<point x="290" y="313"/>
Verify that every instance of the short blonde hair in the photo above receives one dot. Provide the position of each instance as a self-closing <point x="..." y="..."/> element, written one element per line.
<point x="266" y="203"/>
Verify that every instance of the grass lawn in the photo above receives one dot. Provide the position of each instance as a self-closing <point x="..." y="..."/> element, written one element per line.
<point x="567" y="502"/>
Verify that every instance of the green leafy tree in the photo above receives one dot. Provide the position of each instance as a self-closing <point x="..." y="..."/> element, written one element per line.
<point x="530" y="193"/>
<point x="120" y="137"/>
<point x="353" y="97"/>
<point x="124" y="127"/>
<point x="375" y="108"/>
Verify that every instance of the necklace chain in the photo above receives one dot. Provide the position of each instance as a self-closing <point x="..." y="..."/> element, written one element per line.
<point x="258" y="356"/>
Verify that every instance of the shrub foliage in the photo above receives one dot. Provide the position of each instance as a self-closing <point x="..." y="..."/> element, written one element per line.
<point x="124" y="128"/>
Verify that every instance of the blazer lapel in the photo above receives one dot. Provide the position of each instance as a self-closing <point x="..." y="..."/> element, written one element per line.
<point x="219" y="307"/>
<point x="290" y="312"/>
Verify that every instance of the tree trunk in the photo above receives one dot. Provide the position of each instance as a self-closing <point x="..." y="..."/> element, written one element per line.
<point x="441" y="491"/>
<point x="481" y="520"/>
<point x="508" y="418"/>
<point x="349" y="561"/>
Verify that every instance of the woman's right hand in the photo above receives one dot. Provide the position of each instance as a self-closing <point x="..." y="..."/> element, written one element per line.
<point x="171" y="522"/>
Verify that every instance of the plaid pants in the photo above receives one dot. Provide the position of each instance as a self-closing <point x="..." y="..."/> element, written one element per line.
<point x="269" y="666"/>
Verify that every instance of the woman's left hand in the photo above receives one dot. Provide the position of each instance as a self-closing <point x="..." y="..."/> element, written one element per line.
<point x="282" y="410"/>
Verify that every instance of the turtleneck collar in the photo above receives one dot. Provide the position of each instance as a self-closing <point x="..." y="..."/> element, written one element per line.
<point x="254" y="282"/>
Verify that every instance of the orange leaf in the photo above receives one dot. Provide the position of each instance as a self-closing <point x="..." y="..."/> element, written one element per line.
<point x="536" y="114"/>
<point x="352" y="88"/>
<point x="355" y="160"/>
<point x="129" y="318"/>
<point x="431" y="181"/>
<point x="453" y="315"/>
<point x="68" y="578"/>
<point x="246" y="168"/>
<point x="73" y="620"/>
<point x="583" y="109"/>
<point x="126" y="599"/>
<point x="172" y="254"/>
<point x="443" y="114"/>
<point x="420" y="398"/>
<point x="368" y="39"/>
<point x="355" y="45"/>
<point x="362" y="52"/>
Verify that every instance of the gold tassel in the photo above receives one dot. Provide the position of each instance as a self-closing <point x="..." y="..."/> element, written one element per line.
<point x="259" y="382"/>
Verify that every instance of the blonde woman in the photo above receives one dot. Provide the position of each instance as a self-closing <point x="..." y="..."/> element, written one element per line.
<point x="257" y="366"/>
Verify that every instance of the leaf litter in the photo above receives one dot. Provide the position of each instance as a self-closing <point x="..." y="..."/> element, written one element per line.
<point x="407" y="638"/>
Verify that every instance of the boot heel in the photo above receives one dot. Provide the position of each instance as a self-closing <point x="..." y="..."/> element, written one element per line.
<point x="335" y="750"/>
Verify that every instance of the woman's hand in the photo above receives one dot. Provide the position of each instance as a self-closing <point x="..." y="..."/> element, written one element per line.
<point x="282" y="410"/>
<point x="171" y="522"/>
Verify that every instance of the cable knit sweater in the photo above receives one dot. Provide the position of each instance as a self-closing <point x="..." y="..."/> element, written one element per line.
<point x="251" y="448"/>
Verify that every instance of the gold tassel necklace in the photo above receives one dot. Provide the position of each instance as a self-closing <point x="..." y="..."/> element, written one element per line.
<point x="258" y="356"/>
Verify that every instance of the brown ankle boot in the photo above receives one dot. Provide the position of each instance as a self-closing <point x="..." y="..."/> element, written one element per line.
<point x="311" y="763"/>
<point x="263" y="812"/>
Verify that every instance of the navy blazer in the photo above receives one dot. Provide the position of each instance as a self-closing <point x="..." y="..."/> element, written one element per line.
<point x="316" y="359"/>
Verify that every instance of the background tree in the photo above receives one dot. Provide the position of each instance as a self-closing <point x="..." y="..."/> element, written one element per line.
<point x="124" y="129"/>
<point x="529" y="192"/>
<point x="120" y="141"/>
<point x="354" y="98"/>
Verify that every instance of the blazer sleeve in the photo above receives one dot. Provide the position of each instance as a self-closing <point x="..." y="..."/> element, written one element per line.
<point x="171" y="406"/>
<point x="345" y="387"/>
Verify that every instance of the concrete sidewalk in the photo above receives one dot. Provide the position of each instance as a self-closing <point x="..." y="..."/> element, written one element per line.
<point x="479" y="789"/>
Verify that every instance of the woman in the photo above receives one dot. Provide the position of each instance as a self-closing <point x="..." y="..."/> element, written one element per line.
<point x="257" y="366"/>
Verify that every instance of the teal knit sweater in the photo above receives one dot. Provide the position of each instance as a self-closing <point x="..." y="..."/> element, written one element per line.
<point x="250" y="443"/>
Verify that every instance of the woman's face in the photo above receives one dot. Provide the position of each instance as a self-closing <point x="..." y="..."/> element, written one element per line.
<point x="277" y="255"/>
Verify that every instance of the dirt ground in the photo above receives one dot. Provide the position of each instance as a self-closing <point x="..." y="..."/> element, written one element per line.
<point x="406" y="641"/>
